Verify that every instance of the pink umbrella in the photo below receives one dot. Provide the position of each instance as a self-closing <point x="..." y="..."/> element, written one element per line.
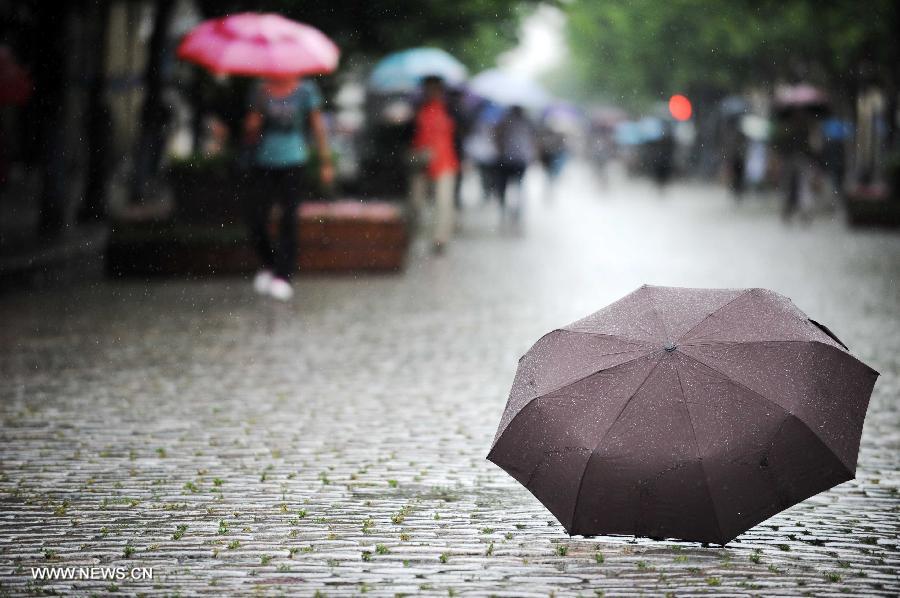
<point x="259" y="45"/>
<point x="802" y="95"/>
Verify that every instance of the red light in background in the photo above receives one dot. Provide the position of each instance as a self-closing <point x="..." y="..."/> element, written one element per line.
<point x="680" y="107"/>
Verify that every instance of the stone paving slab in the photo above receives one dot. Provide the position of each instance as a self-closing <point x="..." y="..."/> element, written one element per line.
<point x="336" y="446"/>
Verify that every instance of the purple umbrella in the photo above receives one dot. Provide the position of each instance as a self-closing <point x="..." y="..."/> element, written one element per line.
<point x="683" y="413"/>
<point x="564" y="117"/>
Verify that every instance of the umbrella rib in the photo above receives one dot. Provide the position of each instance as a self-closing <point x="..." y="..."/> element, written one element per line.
<point x="769" y="475"/>
<point x="734" y="341"/>
<point x="725" y="377"/>
<point x="602" y="438"/>
<point x="712" y="313"/>
<point x="566" y="385"/>
<point x="659" y="317"/>
<point x="624" y="339"/>
<point x="785" y="340"/>
<point x="702" y="341"/>
<point x="699" y="456"/>
<point x="730" y="380"/>
<point x="790" y="416"/>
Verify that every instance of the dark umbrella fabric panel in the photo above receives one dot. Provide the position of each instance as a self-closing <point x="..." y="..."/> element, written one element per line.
<point x="752" y="409"/>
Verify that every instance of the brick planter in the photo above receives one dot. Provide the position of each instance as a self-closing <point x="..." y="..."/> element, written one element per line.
<point x="344" y="236"/>
<point x="351" y="236"/>
<point x="872" y="206"/>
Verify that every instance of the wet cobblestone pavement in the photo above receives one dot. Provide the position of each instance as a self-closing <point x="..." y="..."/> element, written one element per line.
<point x="337" y="445"/>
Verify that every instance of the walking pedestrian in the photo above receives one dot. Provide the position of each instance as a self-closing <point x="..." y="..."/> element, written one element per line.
<point x="552" y="145"/>
<point x="800" y="156"/>
<point x="517" y="149"/>
<point x="435" y="160"/>
<point x="735" y="149"/>
<point x="283" y="114"/>
<point x="481" y="151"/>
<point x="835" y="133"/>
<point x="461" y="125"/>
<point x="663" y="152"/>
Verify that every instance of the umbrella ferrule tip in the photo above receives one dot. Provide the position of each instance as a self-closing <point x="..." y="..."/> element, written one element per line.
<point x="670" y="346"/>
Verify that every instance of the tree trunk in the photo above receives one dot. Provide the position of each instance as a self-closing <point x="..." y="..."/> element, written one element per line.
<point x="50" y="74"/>
<point x="153" y="113"/>
<point x="94" y="207"/>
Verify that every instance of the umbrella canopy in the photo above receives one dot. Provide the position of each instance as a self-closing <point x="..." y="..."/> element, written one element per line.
<point x="259" y="45"/>
<point x="490" y="114"/>
<point x="607" y="116"/>
<point x="628" y="133"/>
<point x="683" y="413"/>
<point x="755" y="127"/>
<point x="651" y="129"/>
<point x="402" y="72"/>
<point x="509" y="89"/>
<point x="799" y="97"/>
<point x="564" y="117"/>
<point x="836" y="129"/>
<point x="733" y="106"/>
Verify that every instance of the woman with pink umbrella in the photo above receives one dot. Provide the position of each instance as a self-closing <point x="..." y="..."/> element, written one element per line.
<point x="280" y="108"/>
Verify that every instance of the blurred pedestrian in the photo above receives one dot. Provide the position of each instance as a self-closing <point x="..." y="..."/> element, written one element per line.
<point x="517" y="148"/>
<point x="552" y="144"/>
<point x="481" y="151"/>
<point x="461" y="125"/>
<point x="601" y="150"/>
<point x="663" y="157"/>
<point x="757" y="166"/>
<point x="735" y="146"/>
<point x="283" y="114"/>
<point x="435" y="160"/>
<point x="798" y="148"/>
<point x="835" y="134"/>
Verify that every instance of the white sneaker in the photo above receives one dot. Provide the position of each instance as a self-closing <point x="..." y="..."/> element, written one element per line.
<point x="262" y="281"/>
<point x="281" y="289"/>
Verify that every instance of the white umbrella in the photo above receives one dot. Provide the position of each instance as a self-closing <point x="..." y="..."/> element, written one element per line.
<point x="509" y="89"/>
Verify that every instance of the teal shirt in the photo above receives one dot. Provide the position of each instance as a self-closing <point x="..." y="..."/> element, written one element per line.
<point x="283" y="143"/>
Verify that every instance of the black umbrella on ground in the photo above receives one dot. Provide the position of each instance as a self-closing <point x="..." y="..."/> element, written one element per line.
<point x="683" y="413"/>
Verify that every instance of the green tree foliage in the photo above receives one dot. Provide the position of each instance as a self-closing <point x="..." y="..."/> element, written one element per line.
<point x="473" y="30"/>
<point x="644" y="50"/>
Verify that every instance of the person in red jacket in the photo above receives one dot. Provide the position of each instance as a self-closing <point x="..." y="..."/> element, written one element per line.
<point x="435" y="159"/>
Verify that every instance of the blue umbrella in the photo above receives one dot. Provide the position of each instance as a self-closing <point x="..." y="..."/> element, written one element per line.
<point x="490" y="113"/>
<point x="628" y="133"/>
<point x="734" y="106"/>
<point x="836" y="129"/>
<point x="651" y="129"/>
<point x="403" y="71"/>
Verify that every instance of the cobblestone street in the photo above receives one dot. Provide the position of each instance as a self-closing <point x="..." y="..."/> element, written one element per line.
<point x="336" y="445"/>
